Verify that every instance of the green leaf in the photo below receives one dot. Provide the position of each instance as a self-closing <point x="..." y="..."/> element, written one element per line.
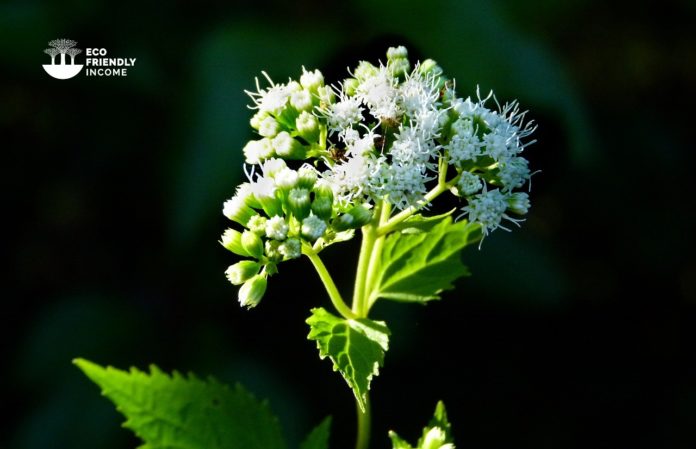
<point x="437" y="434"/>
<point x="356" y="347"/>
<point x="318" y="438"/>
<point x="177" y="412"/>
<point x="419" y="223"/>
<point x="416" y="267"/>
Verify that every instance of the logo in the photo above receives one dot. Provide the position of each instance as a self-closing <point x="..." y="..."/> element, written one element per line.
<point x="97" y="61"/>
<point x="62" y="47"/>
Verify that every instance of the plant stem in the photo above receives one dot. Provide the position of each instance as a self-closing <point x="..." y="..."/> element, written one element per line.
<point x="368" y="241"/>
<point x="363" y="440"/>
<point x="329" y="284"/>
<point x="375" y="257"/>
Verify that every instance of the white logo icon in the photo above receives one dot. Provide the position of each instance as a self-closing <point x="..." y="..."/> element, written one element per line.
<point x="63" y="70"/>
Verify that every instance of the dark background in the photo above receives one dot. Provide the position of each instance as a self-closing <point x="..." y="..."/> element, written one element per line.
<point x="576" y="331"/>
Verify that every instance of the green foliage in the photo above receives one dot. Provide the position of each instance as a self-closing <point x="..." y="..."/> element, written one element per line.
<point x="177" y="412"/>
<point x="420" y="223"/>
<point x="417" y="265"/>
<point x="436" y="435"/>
<point x="318" y="438"/>
<point x="356" y="347"/>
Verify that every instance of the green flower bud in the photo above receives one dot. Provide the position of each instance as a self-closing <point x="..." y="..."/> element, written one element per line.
<point x="290" y="249"/>
<point x="398" y="67"/>
<point x="252" y="291"/>
<point x="269" y="127"/>
<point x="322" y="206"/>
<point x="256" y="151"/>
<point x="365" y="70"/>
<point x="232" y="241"/>
<point x="257" y="118"/>
<point x="298" y="202"/>
<point x="350" y="86"/>
<point x="518" y="203"/>
<point x="242" y="271"/>
<point x="434" y="439"/>
<point x="308" y="176"/>
<point x="326" y="95"/>
<point x="286" y="179"/>
<point x="430" y="66"/>
<point x="399" y="52"/>
<point x="237" y="210"/>
<point x="313" y="227"/>
<point x="307" y="126"/>
<point x="361" y="214"/>
<point x="257" y="225"/>
<point x="344" y="222"/>
<point x="301" y="100"/>
<point x="311" y="80"/>
<point x="287" y="147"/>
<point x="273" y="250"/>
<point x="252" y="244"/>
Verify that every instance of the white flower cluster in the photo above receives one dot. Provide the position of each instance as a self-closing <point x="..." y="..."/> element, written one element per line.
<point x="390" y="133"/>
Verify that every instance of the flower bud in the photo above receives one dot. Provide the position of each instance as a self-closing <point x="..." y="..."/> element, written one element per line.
<point x="308" y="176"/>
<point x="350" y="86"/>
<point x="232" y="241"/>
<point x="236" y="210"/>
<point x="469" y="184"/>
<point x="257" y="118"/>
<point x="290" y="249"/>
<point x="323" y="200"/>
<point x="269" y="127"/>
<point x="256" y="151"/>
<point x="286" y="179"/>
<point x="326" y="95"/>
<point x="287" y="147"/>
<point x="399" y="52"/>
<point x="252" y="244"/>
<point x="307" y="126"/>
<point x="434" y="439"/>
<point x="313" y="227"/>
<point x="302" y="100"/>
<point x="361" y="214"/>
<point x="242" y="271"/>
<point x="257" y="225"/>
<point x="252" y="291"/>
<point x="298" y="202"/>
<point x="312" y="80"/>
<point x="272" y="250"/>
<point x="365" y="70"/>
<point x="430" y="66"/>
<point x="343" y="222"/>
<point x="276" y="228"/>
<point x="518" y="203"/>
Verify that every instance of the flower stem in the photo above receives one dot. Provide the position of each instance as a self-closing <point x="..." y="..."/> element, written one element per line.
<point x="366" y="246"/>
<point x="329" y="284"/>
<point x="363" y="439"/>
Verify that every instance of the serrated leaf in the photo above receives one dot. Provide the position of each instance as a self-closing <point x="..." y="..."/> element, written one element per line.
<point x="177" y="412"/>
<point x="416" y="267"/>
<point x="437" y="434"/>
<point x="318" y="438"/>
<point x="356" y="347"/>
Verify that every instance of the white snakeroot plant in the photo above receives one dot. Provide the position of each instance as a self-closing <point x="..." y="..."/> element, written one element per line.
<point x="371" y="153"/>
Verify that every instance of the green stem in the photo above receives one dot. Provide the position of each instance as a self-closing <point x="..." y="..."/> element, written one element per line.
<point x="368" y="241"/>
<point x="375" y="257"/>
<point x="363" y="440"/>
<point x="329" y="284"/>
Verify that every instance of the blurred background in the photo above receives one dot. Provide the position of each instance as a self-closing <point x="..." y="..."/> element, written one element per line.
<point x="575" y="331"/>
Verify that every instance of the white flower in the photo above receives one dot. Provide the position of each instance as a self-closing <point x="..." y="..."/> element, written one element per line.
<point x="353" y="178"/>
<point x="272" y="166"/>
<point x="410" y="146"/>
<point x="302" y="100"/>
<point x="263" y="188"/>
<point x="344" y="114"/>
<point x="237" y="210"/>
<point x="464" y="145"/>
<point x="418" y="93"/>
<point x="269" y="127"/>
<point x="518" y="203"/>
<point x="488" y="209"/>
<point x="513" y="172"/>
<point x="272" y="99"/>
<point x="404" y="184"/>
<point x="276" y="228"/>
<point x="380" y="95"/>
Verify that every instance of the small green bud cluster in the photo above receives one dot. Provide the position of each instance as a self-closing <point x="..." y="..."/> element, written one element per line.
<point x="285" y="119"/>
<point x="281" y="211"/>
